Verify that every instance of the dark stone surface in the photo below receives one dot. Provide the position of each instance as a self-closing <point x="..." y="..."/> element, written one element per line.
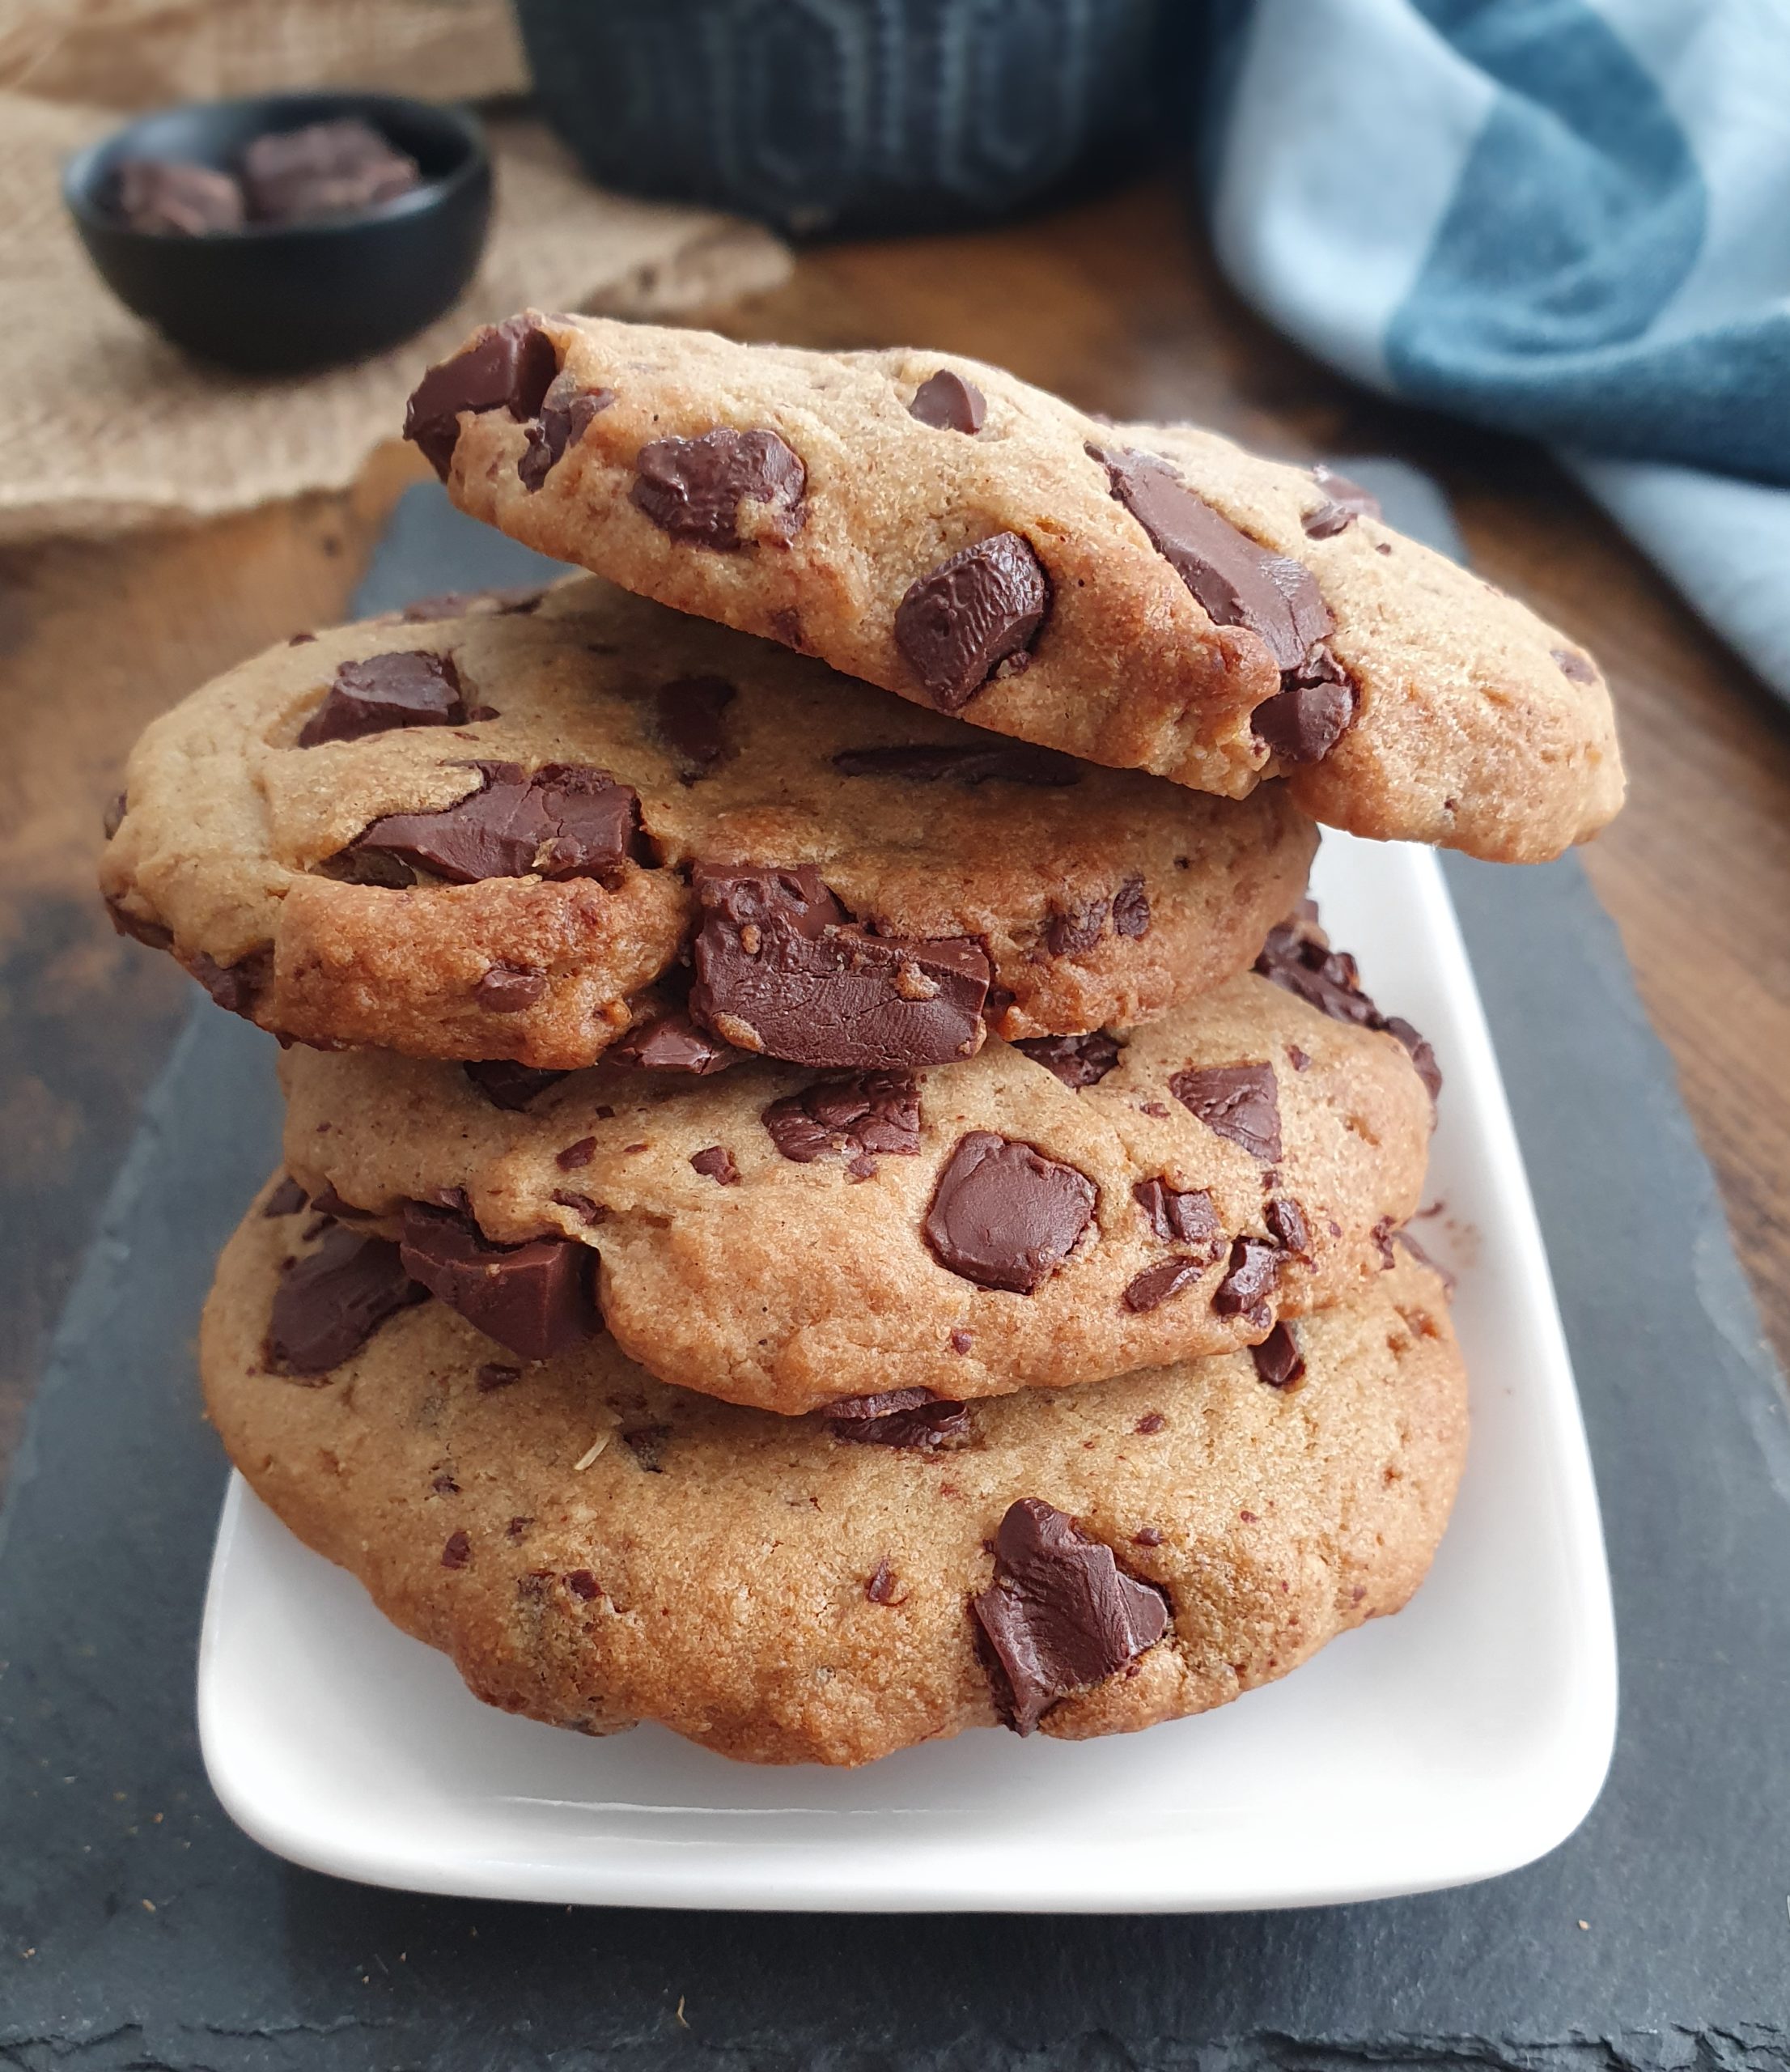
<point x="1682" y="1872"/>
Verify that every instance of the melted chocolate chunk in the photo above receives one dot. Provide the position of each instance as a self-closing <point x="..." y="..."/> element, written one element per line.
<point x="494" y="1375"/>
<point x="1131" y="909"/>
<point x="1076" y="929"/>
<point x="1575" y="667"/>
<point x="1150" y="1289"/>
<point x="458" y="1551"/>
<point x="1297" y="957"/>
<point x="1286" y="1225"/>
<point x="1278" y="1359"/>
<point x="565" y="412"/>
<point x="1304" y="722"/>
<point x="535" y="1298"/>
<point x="507" y="367"/>
<point x="981" y="608"/>
<point x="1186" y="1219"/>
<point x="566" y="821"/>
<point x="287" y="1199"/>
<point x="150" y="933"/>
<point x="912" y="1419"/>
<point x="164" y="196"/>
<point x="1345" y="502"/>
<point x="870" y="1112"/>
<point x="1005" y="1215"/>
<point x="923" y="764"/>
<point x="237" y="986"/>
<point x="693" y="488"/>
<point x="1077" y="1060"/>
<point x="880" y="1587"/>
<point x="674" y="1044"/>
<point x="716" y="1163"/>
<point x="334" y="169"/>
<point x="331" y="1302"/>
<point x="948" y="403"/>
<point x="1241" y="1102"/>
<point x="781" y="967"/>
<point x="1061" y="1614"/>
<point x="506" y="1085"/>
<point x="1238" y="582"/>
<point x="1250" y="1278"/>
<point x="687" y="716"/>
<point x="510" y="988"/>
<point x="415" y="690"/>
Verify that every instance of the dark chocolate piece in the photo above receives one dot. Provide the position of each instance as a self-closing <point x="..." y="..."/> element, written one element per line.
<point x="980" y="608"/>
<point x="537" y="1298"/>
<point x="924" y="763"/>
<point x="330" y="1303"/>
<point x="1004" y="1215"/>
<point x="948" y="403"/>
<point x="1077" y="1060"/>
<point x="854" y="1118"/>
<point x="413" y="690"/>
<point x="508" y="366"/>
<point x="693" y="488"/>
<point x="1241" y="1102"/>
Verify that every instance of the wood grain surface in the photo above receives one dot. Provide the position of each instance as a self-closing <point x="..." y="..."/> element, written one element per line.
<point x="1116" y="305"/>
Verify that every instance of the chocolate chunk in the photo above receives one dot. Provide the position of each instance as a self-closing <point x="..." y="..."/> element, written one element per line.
<point x="414" y="690"/>
<point x="1004" y="1215"/>
<point x="870" y="1112"/>
<point x="331" y="1302"/>
<point x="1131" y="909"/>
<point x="1297" y="957"/>
<point x="582" y="1584"/>
<point x="880" y="1587"/>
<point x="508" y="366"/>
<point x="174" y="195"/>
<point x="458" y="1551"/>
<point x="506" y="1085"/>
<point x="1150" y="1289"/>
<point x="647" y="1442"/>
<point x="1061" y="1614"/>
<point x="1250" y="1278"/>
<point x="1383" y="1234"/>
<point x="1358" y="502"/>
<point x="674" y="1044"/>
<point x="330" y="1203"/>
<point x="510" y="988"/>
<point x="974" y="612"/>
<point x="1278" y="1359"/>
<point x="582" y="1205"/>
<point x="1327" y="521"/>
<point x="1076" y="929"/>
<point x="117" y="806"/>
<point x="566" y="820"/>
<point x="565" y="412"/>
<point x="287" y="1199"/>
<point x="332" y="168"/>
<point x="716" y="1163"/>
<point x="1151" y="1422"/>
<point x="693" y="488"/>
<point x="1187" y="1219"/>
<point x="575" y="1155"/>
<point x="1241" y="1102"/>
<point x="237" y="986"/>
<point x="1077" y="1060"/>
<point x="781" y="967"/>
<point x="1238" y="581"/>
<point x="687" y="716"/>
<point x="1575" y="667"/>
<point x="493" y="1375"/>
<point x="150" y="933"/>
<point x="922" y="763"/>
<point x="534" y="1298"/>
<point x="471" y="604"/>
<point x="1147" y="1535"/>
<point x="914" y="1419"/>
<point x="1286" y="1225"/>
<point x="1304" y="722"/>
<point x="948" y="403"/>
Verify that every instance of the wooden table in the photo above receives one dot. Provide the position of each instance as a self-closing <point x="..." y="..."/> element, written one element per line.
<point x="1115" y="305"/>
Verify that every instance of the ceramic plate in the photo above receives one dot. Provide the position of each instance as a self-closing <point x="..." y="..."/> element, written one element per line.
<point x="1460" y="1739"/>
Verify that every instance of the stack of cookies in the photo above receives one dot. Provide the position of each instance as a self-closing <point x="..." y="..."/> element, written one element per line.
<point x="835" y="1191"/>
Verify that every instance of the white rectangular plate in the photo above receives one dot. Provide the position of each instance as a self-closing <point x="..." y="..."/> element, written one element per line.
<point x="1466" y="1736"/>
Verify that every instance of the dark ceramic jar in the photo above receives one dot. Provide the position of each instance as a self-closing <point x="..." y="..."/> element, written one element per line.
<point x="825" y="116"/>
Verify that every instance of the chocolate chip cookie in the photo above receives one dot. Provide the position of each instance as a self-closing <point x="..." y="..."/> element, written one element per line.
<point x="529" y="828"/>
<point x="1147" y="596"/>
<point x="1043" y="1214"/>
<point x="592" y="1547"/>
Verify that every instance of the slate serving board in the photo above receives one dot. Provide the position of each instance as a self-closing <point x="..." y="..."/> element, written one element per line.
<point x="138" y="1929"/>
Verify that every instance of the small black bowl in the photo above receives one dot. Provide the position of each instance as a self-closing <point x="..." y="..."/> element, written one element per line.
<point x="285" y="298"/>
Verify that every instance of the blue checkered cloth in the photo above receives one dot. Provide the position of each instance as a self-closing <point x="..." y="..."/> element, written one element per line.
<point x="1566" y="220"/>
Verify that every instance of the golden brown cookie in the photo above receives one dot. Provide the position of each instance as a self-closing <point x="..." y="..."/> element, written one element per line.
<point x="1147" y="596"/>
<point x="786" y="1239"/>
<point x="526" y="828"/>
<point x="592" y="1547"/>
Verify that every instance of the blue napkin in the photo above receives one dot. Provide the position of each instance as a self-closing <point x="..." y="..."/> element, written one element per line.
<point x="1559" y="219"/>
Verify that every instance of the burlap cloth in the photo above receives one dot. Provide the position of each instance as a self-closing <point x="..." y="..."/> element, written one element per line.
<point x="102" y="426"/>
